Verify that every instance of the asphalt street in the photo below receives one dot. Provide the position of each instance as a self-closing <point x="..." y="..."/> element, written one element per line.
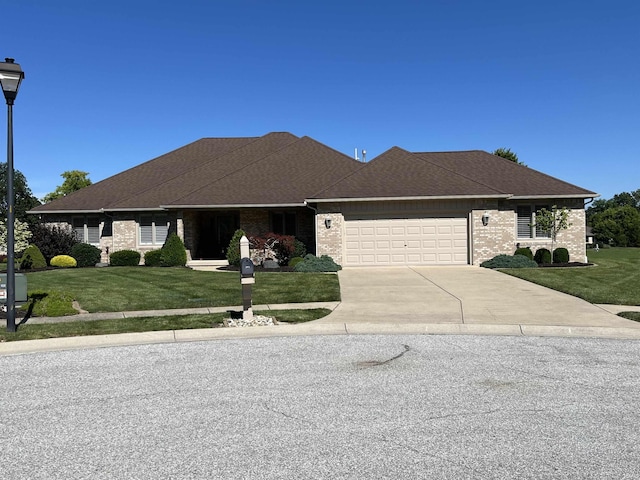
<point x="326" y="407"/>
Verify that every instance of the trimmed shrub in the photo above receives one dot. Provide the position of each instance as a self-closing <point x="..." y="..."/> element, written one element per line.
<point x="32" y="258"/>
<point x="125" y="258"/>
<point x="299" y="250"/>
<point x="233" y="250"/>
<point x="173" y="252"/>
<point x="526" y="251"/>
<point x="542" y="255"/>
<point x="63" y="261"/>
<point x="311" y="263"/>
<point x="509" y="261"/>
<point x="153" y="258"/>
<point x="53" y="240"/>
<point x="561" y="255"/>
<point x="86" y="255"/>
<point x="295" y="260"/>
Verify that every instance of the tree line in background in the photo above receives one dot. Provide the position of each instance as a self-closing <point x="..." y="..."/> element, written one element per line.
<point x="29" y="229"/>
<point x="616" y="221"/>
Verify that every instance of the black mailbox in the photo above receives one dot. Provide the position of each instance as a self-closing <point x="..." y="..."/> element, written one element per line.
<point x="246" y="267"/>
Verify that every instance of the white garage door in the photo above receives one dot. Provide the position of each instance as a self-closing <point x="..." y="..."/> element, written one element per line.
<point x="406" y="241"/>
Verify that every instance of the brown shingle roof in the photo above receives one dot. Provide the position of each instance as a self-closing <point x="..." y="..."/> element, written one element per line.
<point x="398" y="173"/>
<point x="283" y="169"/>
<point x="277" y="168"/>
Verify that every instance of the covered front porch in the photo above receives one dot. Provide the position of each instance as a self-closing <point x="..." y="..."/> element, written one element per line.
<point x="207" y="232"/>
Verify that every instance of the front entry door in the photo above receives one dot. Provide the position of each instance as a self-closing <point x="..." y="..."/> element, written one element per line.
<point x="216" y="230"/>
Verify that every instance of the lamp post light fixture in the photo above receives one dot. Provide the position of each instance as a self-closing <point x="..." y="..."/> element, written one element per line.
<point x="10" y="76"/>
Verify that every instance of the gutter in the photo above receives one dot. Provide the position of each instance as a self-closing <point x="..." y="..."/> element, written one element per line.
<point x="422" y="197"/>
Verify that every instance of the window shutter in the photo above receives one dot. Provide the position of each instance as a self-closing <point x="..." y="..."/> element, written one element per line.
<point x="146" y="229"/>
<point x="93" y="230"/>
<point x="78" y="229"/>
<point x="162" y="229"/>
<point x="524" y="221"/>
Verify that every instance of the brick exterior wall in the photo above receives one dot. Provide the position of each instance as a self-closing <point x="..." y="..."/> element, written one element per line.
<point x="330" y="239"/>
<point x="118" y="231"/>
<point x="500" y="235"/>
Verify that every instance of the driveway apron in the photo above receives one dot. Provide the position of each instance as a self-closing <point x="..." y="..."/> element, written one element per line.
<point x="459" y="294"/>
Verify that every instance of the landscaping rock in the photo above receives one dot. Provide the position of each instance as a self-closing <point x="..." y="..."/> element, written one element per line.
<point x="270" y="264"/>
<point x="256" y="321"/>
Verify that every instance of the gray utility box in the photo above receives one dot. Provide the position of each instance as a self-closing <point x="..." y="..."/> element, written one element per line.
<point x="21" y="288"/>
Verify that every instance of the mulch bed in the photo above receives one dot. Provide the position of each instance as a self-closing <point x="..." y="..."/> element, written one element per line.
<point x="564" y="265"/>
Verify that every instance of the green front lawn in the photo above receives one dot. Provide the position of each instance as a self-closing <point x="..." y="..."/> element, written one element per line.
<point x="147" y="324"/>
<point x="615" y="278"/>
<point x="116" y="289"/>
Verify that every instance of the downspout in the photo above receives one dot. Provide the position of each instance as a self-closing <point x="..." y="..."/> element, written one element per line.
<point x="315" y="225"/>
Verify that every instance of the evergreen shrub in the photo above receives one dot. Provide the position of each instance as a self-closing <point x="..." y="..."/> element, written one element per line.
<point x="173" y="252"/>
<point x="509" y="261"/>
<point x="233" y="250"/>
<point x="153" y="258"/>
<point x="32" y="258"/>
<point x="561" y="255"/>
<point x="526" y="251"/>
<point x="295" y="260"/>
<point x="63" y="261"/>
<point x="86" y="255"/>
<point x="311" y="263"/>
<point x="125" y="258"/>
<point x="542" y="255"/>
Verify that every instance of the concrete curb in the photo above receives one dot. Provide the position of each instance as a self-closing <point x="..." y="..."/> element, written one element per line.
<point x="283" y="330"/>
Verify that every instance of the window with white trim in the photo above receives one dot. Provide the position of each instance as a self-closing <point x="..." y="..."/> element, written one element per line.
<point x="527" y="218"/>
<point x="153" y="229"/>
<point x="87" y="229"/>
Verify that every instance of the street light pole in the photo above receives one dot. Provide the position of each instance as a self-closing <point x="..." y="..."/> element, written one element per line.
<point x="10" y="76"/>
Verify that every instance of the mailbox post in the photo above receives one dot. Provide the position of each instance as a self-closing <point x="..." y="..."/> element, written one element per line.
<point x="247" y="278"/>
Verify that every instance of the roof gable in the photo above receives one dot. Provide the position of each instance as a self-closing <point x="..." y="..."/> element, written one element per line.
<point x="399" y="173"/>
<point x="502" y="174"/>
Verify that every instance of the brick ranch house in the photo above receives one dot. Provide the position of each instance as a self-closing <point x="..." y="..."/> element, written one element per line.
<point x="401" y="208"/>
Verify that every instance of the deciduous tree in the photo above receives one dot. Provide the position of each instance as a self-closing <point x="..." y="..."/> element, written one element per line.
<point x="74" y="180"/>
<point x="552" y="222"/>
<point x="24" y="199"/>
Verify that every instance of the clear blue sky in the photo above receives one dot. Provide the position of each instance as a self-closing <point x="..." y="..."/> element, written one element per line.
<point x="111" y="84"/>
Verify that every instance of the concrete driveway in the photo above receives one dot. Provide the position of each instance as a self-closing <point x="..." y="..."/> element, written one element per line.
<point x="459" y="295"/>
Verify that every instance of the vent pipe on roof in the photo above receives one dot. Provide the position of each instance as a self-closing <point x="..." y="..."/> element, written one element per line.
<point x="364" y="155"/>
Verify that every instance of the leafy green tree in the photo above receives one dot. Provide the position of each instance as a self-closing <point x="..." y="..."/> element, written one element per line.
<point x="24" y="199"/>
<point x="631" y="199"/>
<point x="508" y="154"/>
<point x="74" y="180"/>
<point x="552" y="222"/>
<point x="618" y="225"/>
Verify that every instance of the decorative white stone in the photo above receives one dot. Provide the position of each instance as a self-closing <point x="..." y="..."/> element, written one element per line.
<point x="256" y="321"/>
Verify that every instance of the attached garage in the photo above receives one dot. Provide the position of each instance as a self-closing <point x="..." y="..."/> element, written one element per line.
<point x="406" y="241"/>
